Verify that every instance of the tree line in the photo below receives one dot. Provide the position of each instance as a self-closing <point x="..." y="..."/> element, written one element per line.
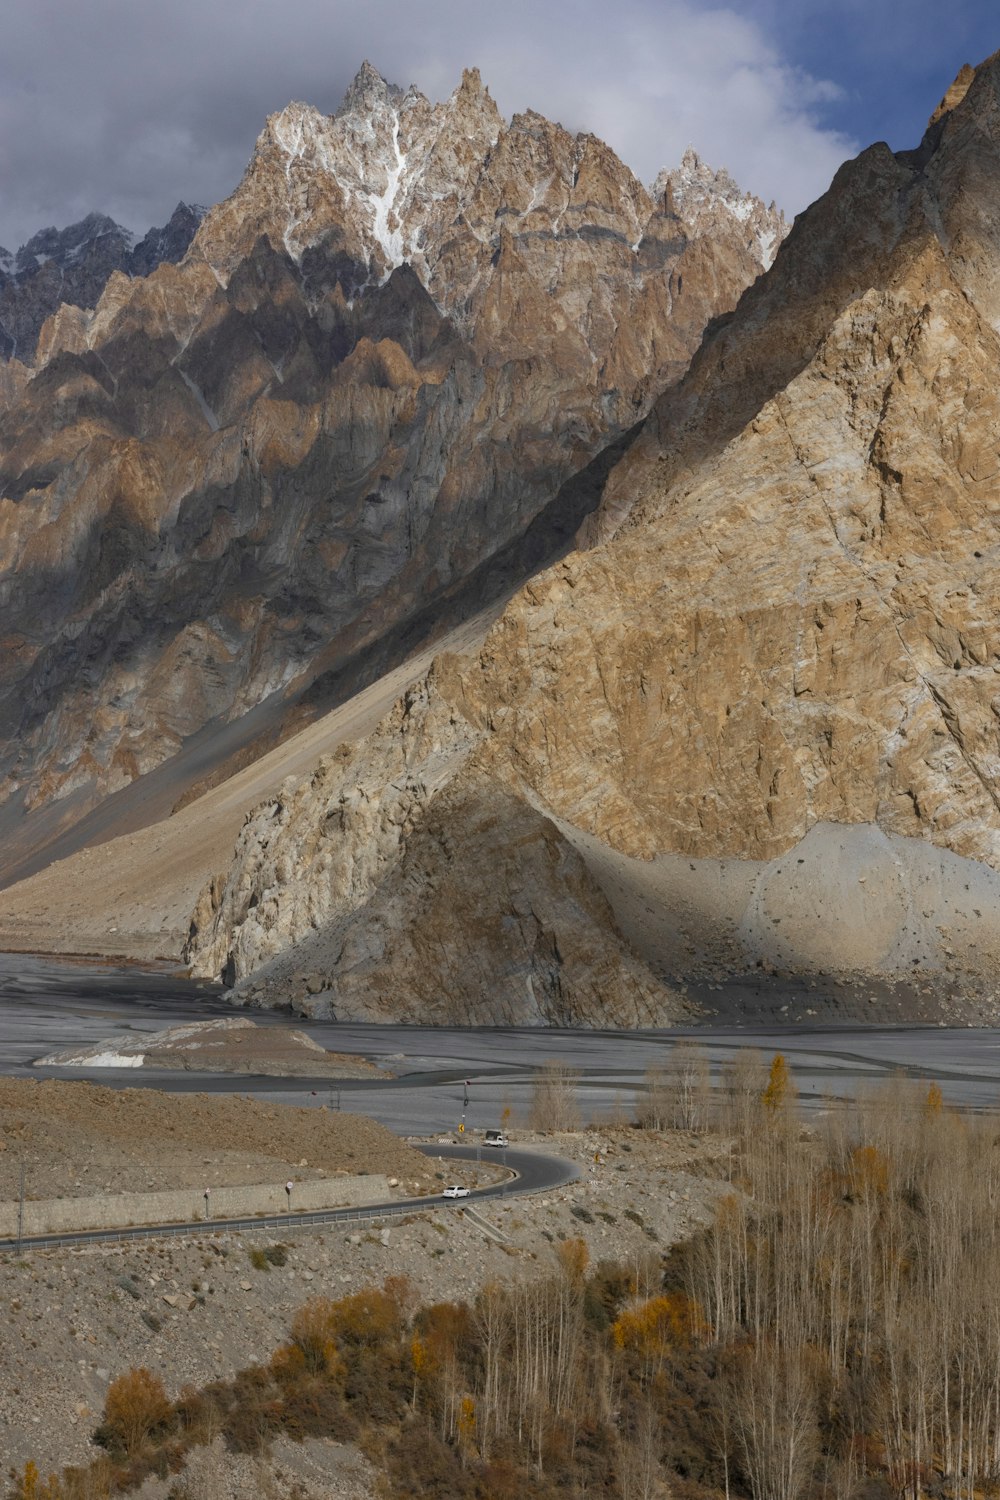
<point x="833" y="1334"/>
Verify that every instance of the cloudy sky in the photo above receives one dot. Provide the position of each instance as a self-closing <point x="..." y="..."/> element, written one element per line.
<point x="128" y="106"/>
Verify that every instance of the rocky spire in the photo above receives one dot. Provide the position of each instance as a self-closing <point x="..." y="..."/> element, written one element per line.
<point x="367" y="89"/>
<point x="955" y="94"/>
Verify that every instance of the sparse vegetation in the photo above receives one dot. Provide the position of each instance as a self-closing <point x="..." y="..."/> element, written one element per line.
<point x="833" y="1335"/>
<point x="678" y="1094"/>
<point x="263" y="1257"/>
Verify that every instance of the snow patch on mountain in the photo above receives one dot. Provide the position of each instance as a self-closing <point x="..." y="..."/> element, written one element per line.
<point x="391" y="240"/>
<point x="698" y="195"/>
<point x="401" y="176"/>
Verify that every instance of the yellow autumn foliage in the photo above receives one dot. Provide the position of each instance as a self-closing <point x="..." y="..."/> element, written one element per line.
<point x="650" y="1328"/>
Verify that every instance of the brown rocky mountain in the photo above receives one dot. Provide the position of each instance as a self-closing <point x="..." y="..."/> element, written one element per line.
<point x="74" y="266"/>
<point x="756" y="714"/>
<point x="362" y="405"/>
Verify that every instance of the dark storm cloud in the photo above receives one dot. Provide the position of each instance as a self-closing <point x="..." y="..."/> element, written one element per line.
<point x="128" y="107"/>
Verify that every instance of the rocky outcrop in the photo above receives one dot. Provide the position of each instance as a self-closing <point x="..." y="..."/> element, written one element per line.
<point x="352" y="415"/>
<point x="73" y="266"/>
<point x="436" y="895"/>
<point x="787" y="613"/>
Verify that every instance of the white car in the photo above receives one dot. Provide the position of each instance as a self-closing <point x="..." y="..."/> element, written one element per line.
<point x="455" y="1192"/>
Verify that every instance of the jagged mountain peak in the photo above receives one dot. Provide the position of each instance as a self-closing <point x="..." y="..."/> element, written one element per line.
<point x="955" y="93"/>
<point x="368" y="88"/>
<point x="698" y="194"/>
<point x="392" y="178"/>
<point x="69" y="244"/>
<point x="72" y="267"/>
<point x="472" y="83"/>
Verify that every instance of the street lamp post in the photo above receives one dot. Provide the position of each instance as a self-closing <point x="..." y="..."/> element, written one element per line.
<point x="20" y="1212"/>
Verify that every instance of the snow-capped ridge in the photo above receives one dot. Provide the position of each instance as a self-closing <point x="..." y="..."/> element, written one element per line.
<point x="697" y="193"/>
<point x="391" y="179"/>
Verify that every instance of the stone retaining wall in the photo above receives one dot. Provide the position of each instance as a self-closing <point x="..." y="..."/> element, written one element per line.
<point x="119" y="1210"/>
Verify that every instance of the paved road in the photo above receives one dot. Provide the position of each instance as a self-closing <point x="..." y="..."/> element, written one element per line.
<point x="45" y="1005"/>
<point x="532" y="1171"/>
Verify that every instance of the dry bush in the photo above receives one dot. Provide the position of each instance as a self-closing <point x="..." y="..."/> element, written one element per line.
<point x="199" y="1415"/>
<point x="255" y="1412"/>
<point x="314" y="1338"/>
<point x="651" y="1328"/>
<point x="29" y="1485"/>
<point x="573" y="1257"/>
<point x="135" y="1406"/>
<point x="95" y="1482"/>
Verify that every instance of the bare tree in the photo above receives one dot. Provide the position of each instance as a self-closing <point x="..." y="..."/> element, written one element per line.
<point x="678" y="1093"/>
<point x="553" y="1104"/>
<point x="639" y="1467"/>
<point x="773" y="1404"/>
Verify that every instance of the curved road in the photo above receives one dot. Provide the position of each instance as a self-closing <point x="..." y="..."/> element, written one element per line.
<point x="533" y="1173"/>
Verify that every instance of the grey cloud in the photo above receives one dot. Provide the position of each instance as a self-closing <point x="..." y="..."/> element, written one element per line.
<point x="127" y="108"/>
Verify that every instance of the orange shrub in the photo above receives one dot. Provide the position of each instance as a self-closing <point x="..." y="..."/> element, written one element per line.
<point x="136" y="1404"/>
<point x="31" y="1486"/>
<point x="314" y="1334"/>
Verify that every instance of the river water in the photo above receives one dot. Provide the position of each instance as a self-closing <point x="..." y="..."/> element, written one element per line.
<point x="47" y="1004"/>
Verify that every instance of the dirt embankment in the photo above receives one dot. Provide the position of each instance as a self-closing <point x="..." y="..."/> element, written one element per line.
<point x="76" y="1139"/>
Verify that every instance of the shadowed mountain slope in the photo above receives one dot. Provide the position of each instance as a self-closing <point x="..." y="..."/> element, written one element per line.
<point x="252" y="482"/>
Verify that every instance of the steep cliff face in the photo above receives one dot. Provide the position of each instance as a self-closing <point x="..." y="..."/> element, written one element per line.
<point x="266" y="471"/>
<point x="74" y="265"/>
<point x="436" y="896"/>
<point x="787" y="615"/>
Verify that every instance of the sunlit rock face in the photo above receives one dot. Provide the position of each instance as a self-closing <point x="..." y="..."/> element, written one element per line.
<point x="245" y="476"/>
<point x="784" y="614"/>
